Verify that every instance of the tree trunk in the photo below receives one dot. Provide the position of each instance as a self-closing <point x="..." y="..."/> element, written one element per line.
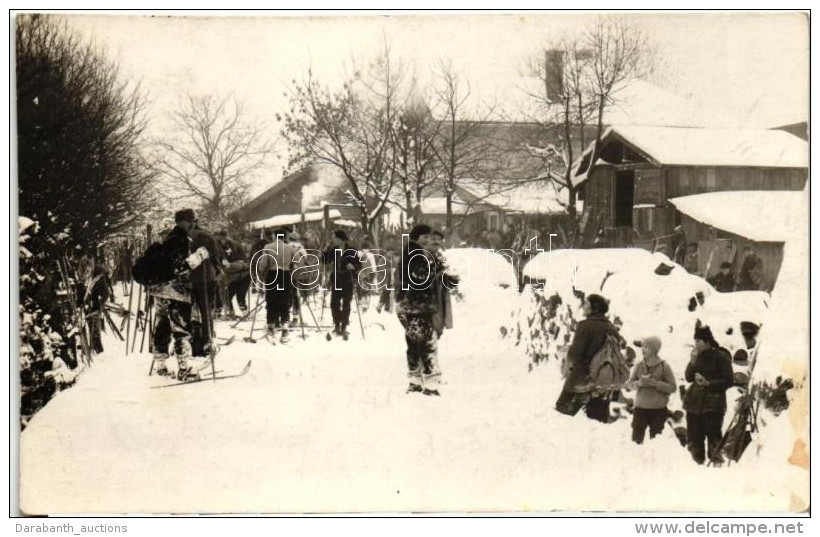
<point x="448" y="222"/>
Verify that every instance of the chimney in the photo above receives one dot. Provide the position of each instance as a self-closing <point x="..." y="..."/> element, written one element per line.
<point x="554" y="74"/>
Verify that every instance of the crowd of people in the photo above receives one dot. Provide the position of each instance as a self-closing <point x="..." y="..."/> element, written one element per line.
<point x="212" y="275"/>
<point x="652" y="381"/>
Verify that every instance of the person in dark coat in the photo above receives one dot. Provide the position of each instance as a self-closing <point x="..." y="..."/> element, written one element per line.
<point x="204" y="280"/>
<point x="172" y="301"/>
<point x="236" y="273"/>
<point x="723" y="281"/>
<point x="590" y="335"/>
<point x="416" y="305"/>
<point x="710" y="373"/>
<point x="750" y="276"/>
<point x="345" y="266"/>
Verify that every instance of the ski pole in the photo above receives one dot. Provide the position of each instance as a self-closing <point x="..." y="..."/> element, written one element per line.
<point x="137" y="320"/>
<point x="128" y="321"/>
<point x="249" y="338"/>
<point x="310" y="310"/>
<point x="358" y="311"/>
<point x="301" y="322"/>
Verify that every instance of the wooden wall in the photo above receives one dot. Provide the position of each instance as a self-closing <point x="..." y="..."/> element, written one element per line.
<point x="771" y="253"/>
<point x="685" y="181"/>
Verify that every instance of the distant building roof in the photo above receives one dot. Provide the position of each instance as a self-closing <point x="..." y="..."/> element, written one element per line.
<point x="288" y="219"/>
<point x="762" y="216"/>
<point x="677" y="146"/>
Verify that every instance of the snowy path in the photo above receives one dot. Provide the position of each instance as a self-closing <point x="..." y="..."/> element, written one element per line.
<point x="327" y="427"/>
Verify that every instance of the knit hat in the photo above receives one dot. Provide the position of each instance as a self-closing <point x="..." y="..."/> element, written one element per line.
<point x="652" y="342"/>
<point x="704" y="333"/>
<point x="598" y="303"/>
<point x="186" y="215"/>
<point x="280" y="231"/>
<point x="419" y="230"/>
<point x="341" y="235"/>
<point x="725" y="264"/>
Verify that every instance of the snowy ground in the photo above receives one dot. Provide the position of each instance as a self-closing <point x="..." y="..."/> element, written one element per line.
<point x="319" y="426"/>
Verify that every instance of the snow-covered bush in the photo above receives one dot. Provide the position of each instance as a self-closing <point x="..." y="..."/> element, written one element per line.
<point x="46" y="336"/>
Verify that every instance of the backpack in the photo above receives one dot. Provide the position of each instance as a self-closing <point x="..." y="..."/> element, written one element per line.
<point x="608" y="368"/>
<point x="153" y="267"/>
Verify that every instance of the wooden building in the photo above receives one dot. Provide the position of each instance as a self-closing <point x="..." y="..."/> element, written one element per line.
<point x="639" y="169"/>
<point x="723" y="224"/>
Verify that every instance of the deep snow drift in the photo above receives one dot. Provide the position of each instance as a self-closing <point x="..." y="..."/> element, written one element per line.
<point x="321" y="426"/>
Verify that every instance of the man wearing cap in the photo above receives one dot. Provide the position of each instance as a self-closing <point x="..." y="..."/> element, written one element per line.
<point x="172" y="301"/>
<point x="724" y="280"/>
<point x="204" y="279"/>
<point x="710" y="373"/>
<point x="345" y="266"/>
<point x="419" y="277"/>
<point x="653" y="381"/>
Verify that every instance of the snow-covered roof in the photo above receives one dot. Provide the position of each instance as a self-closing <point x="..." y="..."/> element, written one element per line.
<point x="717" y="147"/>
<point x="288" y="219"/>
<point x="762" y="216"/>
<point x="681" y="146"/>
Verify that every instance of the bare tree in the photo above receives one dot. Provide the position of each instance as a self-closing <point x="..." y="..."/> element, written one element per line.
<point x="466" y="149"/>
<point x="579" y="79"/>
<point x="212" y="155"/>
<point x="352" y="129"/>
<point x="415" y="154"/>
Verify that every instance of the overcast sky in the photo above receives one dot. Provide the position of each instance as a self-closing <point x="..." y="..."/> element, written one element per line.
<point x="754" y="66"/>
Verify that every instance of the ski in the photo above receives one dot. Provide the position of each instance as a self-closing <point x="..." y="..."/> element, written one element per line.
<point x="207" y="378"/>
<point x="228" y="341"/>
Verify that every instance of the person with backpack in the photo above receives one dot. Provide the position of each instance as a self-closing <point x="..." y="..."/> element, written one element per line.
<point x="653" y="381"/>
<point x="579" y="389"/>
<point x="167" y="273"/>
<point x="710" y="373"/>
<point x="345" y="266"/>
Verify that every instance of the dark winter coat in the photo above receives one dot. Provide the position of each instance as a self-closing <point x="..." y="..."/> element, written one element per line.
<point x="715" y="364"/>
<point x="210" y="269"/>
<point x="416" y="282"/>
<point x="723" y="283"/>
<point x="590" y="335"/>
<point x="339" y="259"/>
<point x="751" y="274"/>
<point x="177" y="249"/>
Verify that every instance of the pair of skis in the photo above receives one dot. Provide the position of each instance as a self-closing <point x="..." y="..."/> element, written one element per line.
<point x="216" y="377"/>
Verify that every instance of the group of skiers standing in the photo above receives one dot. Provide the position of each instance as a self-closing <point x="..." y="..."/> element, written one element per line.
<point x="709" y="373"/>
<point x="198" y="262"/>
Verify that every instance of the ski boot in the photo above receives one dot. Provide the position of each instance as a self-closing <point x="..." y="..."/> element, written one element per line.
<point x="161" y="367"/>
<point x="414" y="388"/>
<point x="285" y="337"/>
<point x="187" y="374"/>
<point x="343" y="332"/>
<point x="430" y="391"/>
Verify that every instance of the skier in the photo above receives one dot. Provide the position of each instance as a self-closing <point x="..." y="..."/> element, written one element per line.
<point x="276" y="265"/>
<point x="204" y="280"/>
<point x="342" y="280"/>
<point x="298" y="257"/>
<point x="653" y="381"/>
<point x="172" y="300"/>
<point x="237" y="276"/>
<point x="590" y="335"/>
<point x="93" y="292"/>
<point x="724" y="280"/>
<point x="419" y="275"/>
<point x="390" y="253"/>
<point x="710" y="373"/>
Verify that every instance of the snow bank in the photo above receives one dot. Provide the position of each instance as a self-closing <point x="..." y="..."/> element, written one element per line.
<point x="480" y="269"/>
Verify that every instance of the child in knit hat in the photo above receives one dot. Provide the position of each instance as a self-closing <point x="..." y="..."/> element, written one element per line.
<point x="654" y="381"/>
